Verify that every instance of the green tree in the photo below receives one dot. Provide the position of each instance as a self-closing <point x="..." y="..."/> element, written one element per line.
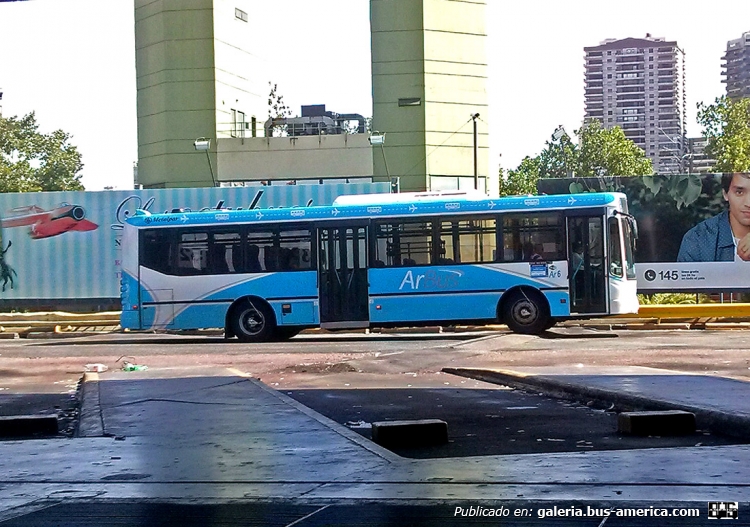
<point x="277" y="109"/>
<point x="521" y="180"/>
<point x="726" y="124"/>
<point x="607" y="152"/>
<point x="31" y="161"/>
<point x="599" y="152"/>
<point x="559" y="157"/>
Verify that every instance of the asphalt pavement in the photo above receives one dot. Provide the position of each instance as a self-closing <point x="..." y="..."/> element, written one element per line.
<point x="492" y="422"/>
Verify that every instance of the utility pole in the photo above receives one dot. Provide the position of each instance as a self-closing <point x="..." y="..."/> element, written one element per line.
<point x="474" y="118"/>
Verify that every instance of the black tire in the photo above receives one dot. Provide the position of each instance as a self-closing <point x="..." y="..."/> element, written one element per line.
<point x="283" y="333"/>
<point x="253" y="321"/>
<point x="526" y="312"/>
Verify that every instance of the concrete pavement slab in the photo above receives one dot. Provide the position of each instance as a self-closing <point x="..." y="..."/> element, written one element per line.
<point x="224" y="436"/>
<point x="720" y="404"/>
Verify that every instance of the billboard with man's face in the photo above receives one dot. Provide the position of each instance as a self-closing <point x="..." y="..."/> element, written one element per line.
<point x="694" y="230"/>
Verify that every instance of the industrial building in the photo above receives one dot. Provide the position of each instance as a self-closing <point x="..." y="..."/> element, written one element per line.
<point x="203" y="101"/>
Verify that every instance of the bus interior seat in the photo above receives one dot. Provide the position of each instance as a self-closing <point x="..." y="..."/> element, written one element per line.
<point x="219" y="260"/>
<point x="253" y="261"/>
<point x="270" y="257"/>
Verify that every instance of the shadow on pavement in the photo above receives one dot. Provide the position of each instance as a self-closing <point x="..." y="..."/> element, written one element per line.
<point x="489" y="422"/>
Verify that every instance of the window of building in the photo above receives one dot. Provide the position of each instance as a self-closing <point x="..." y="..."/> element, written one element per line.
<point x="410" y="101"/>
<point x="240" y="14"/>
<point x="238" y="123"/>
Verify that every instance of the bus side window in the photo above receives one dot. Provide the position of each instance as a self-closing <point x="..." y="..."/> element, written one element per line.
<point x="156" y="250"/>
<point x="224" y="252"/>
<point x="192" y="252"/>
<point x="533" y="236"/>
<point x="295" y="246"/>
<point x="253" y="259"/>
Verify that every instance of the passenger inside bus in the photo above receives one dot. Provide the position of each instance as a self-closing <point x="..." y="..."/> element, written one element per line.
<point x="253" y="262"/>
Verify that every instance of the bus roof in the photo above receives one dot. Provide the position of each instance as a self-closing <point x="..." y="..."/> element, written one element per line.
<point x="431" y="207"/>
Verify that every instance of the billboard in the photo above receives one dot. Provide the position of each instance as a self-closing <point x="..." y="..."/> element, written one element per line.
<point x="687" y="225"/>
<point x="61" y="246"/>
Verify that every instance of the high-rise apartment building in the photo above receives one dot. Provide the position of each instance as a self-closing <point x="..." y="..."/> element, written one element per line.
<point x="638" y="84"/>
<point x="736" y="67"/>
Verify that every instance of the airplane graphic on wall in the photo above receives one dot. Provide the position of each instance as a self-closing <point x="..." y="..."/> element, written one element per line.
<point x="47" y="223"/>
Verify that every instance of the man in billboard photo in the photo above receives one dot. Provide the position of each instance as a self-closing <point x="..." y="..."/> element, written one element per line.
<point x="726" y="236"/>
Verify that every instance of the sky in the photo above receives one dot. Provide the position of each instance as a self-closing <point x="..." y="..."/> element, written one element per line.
<point x="73" y="63"/>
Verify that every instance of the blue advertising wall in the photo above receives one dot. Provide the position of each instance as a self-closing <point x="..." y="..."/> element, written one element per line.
<point x="65" y="245"/>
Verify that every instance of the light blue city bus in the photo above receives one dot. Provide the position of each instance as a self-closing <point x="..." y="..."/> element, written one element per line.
<point x="390" y="260"/>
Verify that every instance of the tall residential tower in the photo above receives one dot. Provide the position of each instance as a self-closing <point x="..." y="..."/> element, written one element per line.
<point x="736" y="67"/>
<point x="638" y="84"/>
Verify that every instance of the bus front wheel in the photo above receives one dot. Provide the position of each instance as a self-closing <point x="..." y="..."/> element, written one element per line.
<point x="253" y="321"/>
<point x="526" y="312"/>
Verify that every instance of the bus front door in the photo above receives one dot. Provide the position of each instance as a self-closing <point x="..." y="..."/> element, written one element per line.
<point x="586" y="269"/>
<point x="342" y="280"/>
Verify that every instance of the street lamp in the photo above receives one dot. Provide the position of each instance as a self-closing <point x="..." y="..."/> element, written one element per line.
<point x="681" y="148"/>
<point x="204" y="144"/>
<point x="558" y="134"/>
<point x="376" y="138"/>
<point x="474" y="118"/>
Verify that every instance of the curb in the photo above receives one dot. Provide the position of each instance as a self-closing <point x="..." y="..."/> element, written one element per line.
<point x="716" y="421"/>
<point x="340" y="429"/>
<point x="90" y="420"/>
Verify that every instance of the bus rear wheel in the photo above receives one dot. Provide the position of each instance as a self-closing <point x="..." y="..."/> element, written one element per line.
<point x="526" y="312"/>
<point x="253" y="321"/>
